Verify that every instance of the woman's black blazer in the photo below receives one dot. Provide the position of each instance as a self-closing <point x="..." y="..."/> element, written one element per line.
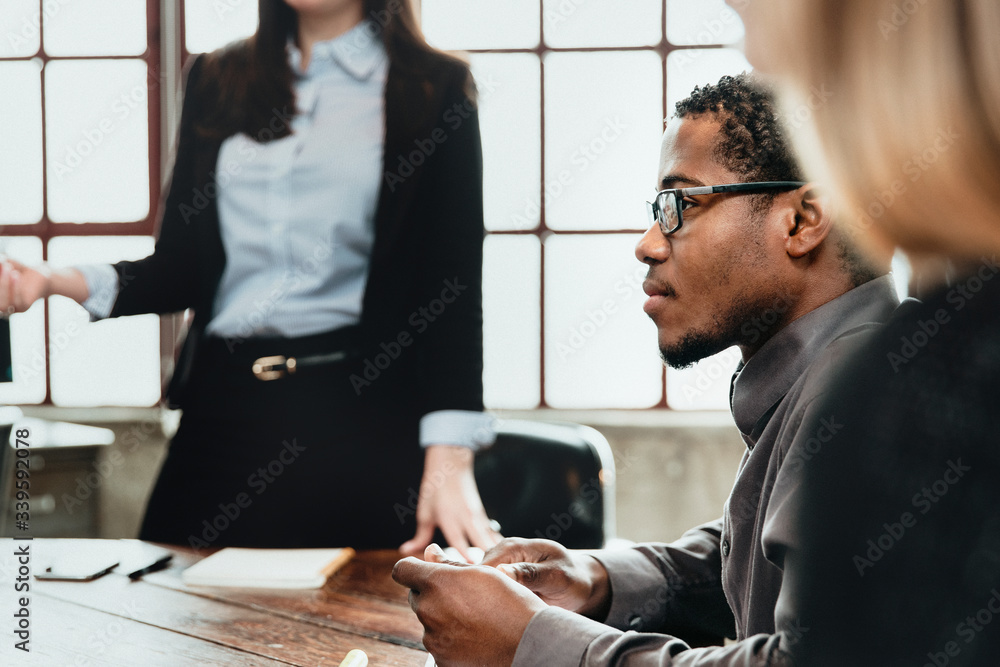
<point x="426" y="257"/>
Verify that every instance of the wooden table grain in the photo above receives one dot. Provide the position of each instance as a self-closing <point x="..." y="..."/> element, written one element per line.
<point x="158" y="620"/>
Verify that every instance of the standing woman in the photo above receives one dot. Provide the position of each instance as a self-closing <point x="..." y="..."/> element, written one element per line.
<point x="324" y="222"/>
<point x="900" y="560"/>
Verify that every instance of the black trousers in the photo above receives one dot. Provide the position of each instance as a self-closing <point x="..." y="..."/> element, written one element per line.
<point x="303" y="461"/>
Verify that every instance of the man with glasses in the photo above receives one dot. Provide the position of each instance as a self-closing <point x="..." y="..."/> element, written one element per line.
<point x="741" y="251"/>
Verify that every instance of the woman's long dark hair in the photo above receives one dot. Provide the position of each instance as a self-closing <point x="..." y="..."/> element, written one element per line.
<point x="248" y="84"/>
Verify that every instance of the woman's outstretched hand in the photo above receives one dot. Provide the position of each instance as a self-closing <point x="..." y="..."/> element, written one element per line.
<point x="21" y="286"/>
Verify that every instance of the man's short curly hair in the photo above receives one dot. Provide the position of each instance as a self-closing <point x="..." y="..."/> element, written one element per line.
<point x="753" y="144"/>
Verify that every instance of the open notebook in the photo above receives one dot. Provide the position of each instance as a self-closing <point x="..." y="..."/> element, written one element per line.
<point x="267" y="568"/>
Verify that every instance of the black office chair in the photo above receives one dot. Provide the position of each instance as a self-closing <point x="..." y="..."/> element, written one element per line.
<point x="549" y="480"/>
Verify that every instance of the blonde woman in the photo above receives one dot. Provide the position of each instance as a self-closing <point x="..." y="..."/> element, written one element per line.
<point x="896" y="103"/>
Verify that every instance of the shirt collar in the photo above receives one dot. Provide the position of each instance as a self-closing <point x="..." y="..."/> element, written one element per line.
<point x="764" y="380"/>
<point x="358" y="51"/>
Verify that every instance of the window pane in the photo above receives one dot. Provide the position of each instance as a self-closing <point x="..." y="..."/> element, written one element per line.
<point x="696" y="67"/>
<point x="704" y="386"/>
<point x="209" y="24"/>
<point x="575" y="23"/>
<point x="600" y="347"/>
<point x="27" y="333"/>
<point x="97" y="144"/>
<point x="95" y="28"/>
<point x="702" y="22"/>
<point x="511" y="325"/>
<point x="460" y="24"/>
<point x="19" y="24"/>
<point x="113" y="362"/>
<point x="509" y="94"/>
<point x="21" y="151"/>
<point x="601" y="153"/>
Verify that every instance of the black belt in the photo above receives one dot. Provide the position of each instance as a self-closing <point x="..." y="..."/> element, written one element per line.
<point x="278" y="366"/>
<point x="296" y="354"/>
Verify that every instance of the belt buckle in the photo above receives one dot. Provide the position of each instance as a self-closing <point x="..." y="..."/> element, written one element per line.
<point x="275" y="367"/>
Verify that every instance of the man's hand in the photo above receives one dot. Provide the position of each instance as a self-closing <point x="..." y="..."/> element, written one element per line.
<point x="449" y="499"/>
<point x="472" y="615"/>
<point x="563" y="578"/>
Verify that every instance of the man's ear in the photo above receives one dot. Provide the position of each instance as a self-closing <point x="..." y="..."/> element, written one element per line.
<point x="809" y="220"/>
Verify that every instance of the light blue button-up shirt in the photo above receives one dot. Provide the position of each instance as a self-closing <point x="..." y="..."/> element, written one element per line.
<point x="297" y="214"/>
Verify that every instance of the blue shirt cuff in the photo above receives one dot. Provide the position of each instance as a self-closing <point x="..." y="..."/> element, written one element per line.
<point x="102" y="287"/>
<point x="459" y="428"/>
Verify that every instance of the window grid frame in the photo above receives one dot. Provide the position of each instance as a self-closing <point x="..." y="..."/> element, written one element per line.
<point x="46" y="229"/>
<point x="542" y="231"/>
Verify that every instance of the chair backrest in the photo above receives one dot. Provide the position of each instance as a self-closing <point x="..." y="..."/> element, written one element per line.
<point x="549" y="480"/>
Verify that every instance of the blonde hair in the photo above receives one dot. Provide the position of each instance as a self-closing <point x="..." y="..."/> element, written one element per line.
<point x="896" y="104"/>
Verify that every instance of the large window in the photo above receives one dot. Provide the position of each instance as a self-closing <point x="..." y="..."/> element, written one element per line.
<point x="573" y="94"/>
<point x="79" y="182"/>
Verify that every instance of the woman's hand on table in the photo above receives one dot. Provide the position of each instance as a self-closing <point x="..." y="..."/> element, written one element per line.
<point x="449" y="500"/>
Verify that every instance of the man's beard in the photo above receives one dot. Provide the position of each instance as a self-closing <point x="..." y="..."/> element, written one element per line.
<point x="691" y="349"/>
<point x="697" y="345"/>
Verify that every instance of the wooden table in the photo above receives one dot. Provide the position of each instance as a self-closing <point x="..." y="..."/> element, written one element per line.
<point x="160" y="621"/>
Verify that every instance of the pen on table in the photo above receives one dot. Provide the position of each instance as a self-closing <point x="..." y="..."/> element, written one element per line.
<point x="158" y="564"/>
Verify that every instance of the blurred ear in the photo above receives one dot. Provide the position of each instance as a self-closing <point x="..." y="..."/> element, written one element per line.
<point x="809" y="219"/>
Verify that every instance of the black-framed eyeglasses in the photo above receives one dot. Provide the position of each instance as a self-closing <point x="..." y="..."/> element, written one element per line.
<point x="667" y="208"/>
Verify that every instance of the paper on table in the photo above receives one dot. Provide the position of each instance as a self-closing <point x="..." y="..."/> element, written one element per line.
<point x="267" y="568"/>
